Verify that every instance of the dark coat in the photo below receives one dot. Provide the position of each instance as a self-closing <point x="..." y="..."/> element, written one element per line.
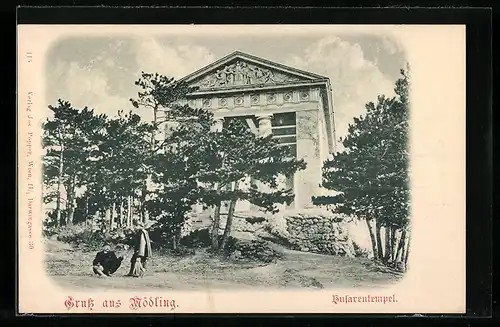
<point x="108" y="260"/>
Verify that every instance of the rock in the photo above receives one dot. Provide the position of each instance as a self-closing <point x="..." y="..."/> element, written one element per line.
<point x="304" y="249"/>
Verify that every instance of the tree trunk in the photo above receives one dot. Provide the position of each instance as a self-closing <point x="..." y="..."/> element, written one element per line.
<point x="143" y="211"/>
<point x="387" y="256"/>
<point x="176" y="239"/>
<point x="253" y="184"/>
<point x="129" y="211"/>
<point x="96" y="219"/>
<point x="214" y="234"/>
<point x="153" y="132"/>
<point x="69" y="205"/>
<point x="393" y="243"/>
<point x="86" y="209"/>
<point x="229" y="221"/>
<point x="59" y="185"/>
<point x="372" y="238"/>
<point x="113" y="216"/>
<point x="401" y="246"/>
<point x="403" y="250"/>
<point x="121" y="213"/>
<point x="107" y="216"/>
<point x="407" y="251"/>
<point x="142" y="208"/>
<point x="380" y="251"/>
<point x="71" y="200"/>
<point x="71" y="211"/>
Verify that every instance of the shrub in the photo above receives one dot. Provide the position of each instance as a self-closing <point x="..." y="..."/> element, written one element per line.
<point x="182" y="251"/>
<point x="199" y="238"/>
<point x="84" y="237"/>
<point x="160" y="238"/>
<point x="49" y="224"/>
<point x="360" y="252"/>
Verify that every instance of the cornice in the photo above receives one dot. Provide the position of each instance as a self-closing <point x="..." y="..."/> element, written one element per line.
<point x="260" y="88"/>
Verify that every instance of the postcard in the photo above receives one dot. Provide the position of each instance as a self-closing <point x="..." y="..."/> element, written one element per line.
<point x="241" y="169"/>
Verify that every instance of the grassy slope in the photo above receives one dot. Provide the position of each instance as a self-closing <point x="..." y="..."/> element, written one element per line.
<point x="72" y="269"/>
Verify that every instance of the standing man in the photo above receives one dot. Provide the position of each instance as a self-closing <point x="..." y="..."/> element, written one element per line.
<point x="142" y="251"/>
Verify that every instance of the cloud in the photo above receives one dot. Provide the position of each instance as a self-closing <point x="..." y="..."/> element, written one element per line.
<point x="173" y="61"/>
<point x="390" y="44"/>
<point x="86" y="86"/>
<point x="87" y="83"/>
<point x="355" y="80"/>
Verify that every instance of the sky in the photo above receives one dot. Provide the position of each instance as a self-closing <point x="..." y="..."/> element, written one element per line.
<point x="99" y="72"/>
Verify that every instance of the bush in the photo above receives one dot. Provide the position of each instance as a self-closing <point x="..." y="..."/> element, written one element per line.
<point x="160" y="238"/>
<point x="49" y="224"/>
<point x="360" y="252"/>
<point x="199" y="238"/>
<point x="182" y="251"/>
<point x="84" y="237"/>
<point x="80" y="236"/>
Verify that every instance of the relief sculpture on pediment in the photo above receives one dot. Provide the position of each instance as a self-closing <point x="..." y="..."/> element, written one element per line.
<point x="241" y="73"/>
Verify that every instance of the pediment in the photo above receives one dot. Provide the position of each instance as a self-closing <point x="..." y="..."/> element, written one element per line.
<point x="240" y="70"/>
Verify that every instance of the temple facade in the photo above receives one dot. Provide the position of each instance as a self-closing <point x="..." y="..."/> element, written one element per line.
<point x="295" y="106"/>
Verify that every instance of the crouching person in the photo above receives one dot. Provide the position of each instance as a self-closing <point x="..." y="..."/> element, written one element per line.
<point x="106" y="262"/>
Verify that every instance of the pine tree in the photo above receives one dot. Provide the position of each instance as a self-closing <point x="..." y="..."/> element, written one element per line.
<point x="371" y="174"/>
<point x="68" y="140"/>
<point x="176" y="169"/>
<point x="120" y="161"/>
<point x="225" y="158"/>
<point x="158" y="93"/>
<point x="199" y="164"/>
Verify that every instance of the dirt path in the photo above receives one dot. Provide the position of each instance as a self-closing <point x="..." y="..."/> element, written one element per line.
<point x="71" y="269"/>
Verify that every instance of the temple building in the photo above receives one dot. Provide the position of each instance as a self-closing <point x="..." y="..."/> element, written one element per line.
<point x="294" y="105"/>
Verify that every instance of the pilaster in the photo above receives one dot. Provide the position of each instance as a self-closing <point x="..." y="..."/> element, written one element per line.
<point x="307" y="181"/>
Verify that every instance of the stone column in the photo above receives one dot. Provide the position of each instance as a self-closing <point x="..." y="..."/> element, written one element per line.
<point x="219" y="119"/>
<point x="265" y="127"/>
<point x="308" y="180"/>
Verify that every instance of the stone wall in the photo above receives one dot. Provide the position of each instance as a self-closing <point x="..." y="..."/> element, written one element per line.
<point x="320" y="232"/>
<point x="309" y="230"/>
<point x="315" y="230"/>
